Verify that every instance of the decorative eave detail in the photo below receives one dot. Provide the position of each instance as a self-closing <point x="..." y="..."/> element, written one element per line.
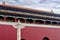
<point x="38" y="15"/>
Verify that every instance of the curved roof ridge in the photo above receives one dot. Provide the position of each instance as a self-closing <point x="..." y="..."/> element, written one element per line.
<point x="25" y="8"/>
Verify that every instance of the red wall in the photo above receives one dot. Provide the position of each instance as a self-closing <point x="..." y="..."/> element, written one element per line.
<point x="7" y="32"/>
<point x="38" y="33"/>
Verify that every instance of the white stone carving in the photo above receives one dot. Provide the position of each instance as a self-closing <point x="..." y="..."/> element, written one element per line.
<point x="19" y="26"/>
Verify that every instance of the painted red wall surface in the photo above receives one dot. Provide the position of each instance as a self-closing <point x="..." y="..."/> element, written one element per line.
<point x="38" y="33"/>
<point x="7" y="32"/>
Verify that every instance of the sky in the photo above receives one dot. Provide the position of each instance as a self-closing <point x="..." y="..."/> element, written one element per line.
<point x="37" y="4"/>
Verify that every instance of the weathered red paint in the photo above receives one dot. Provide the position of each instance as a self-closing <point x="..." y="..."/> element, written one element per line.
<point x="7" y="32"/>
<point x="38" y="33"/>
